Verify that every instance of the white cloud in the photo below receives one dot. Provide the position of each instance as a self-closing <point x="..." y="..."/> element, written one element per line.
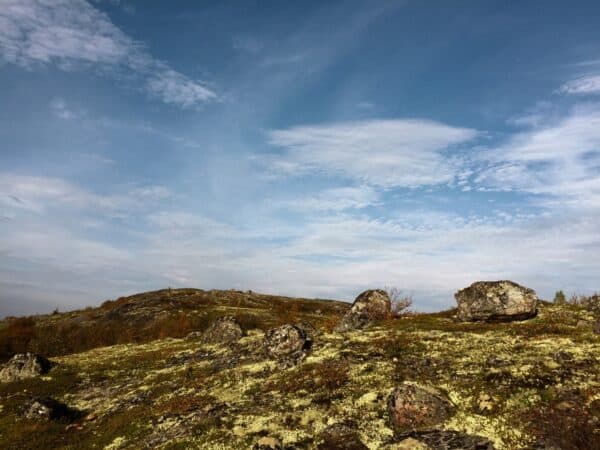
<point x="561" y="160"/>
<point x="172" y="87"/>
<point x="71" y="33"/>
<point x="336" y="199"/>
<point x="384" y="153"/>
<point x="37" y="194"/>
<point x="582" y="86"/>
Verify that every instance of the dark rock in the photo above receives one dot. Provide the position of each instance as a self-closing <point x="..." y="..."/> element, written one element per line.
<point x="370" y="306"/>
<point x="224" y="330"/>
<point x="416" y="408"/>
<point x="286" y="343"/>
<point x="24" y="365"/>
<point x="46" y="408"/>
<point x="451" y="440"/>
<point x="496" y="301"/>
<point x="340" y="437"/>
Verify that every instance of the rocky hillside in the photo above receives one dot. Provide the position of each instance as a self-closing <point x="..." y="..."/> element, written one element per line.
<point x="239" y="370"/>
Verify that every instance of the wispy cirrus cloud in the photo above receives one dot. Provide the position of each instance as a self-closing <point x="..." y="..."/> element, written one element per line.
<point x="37" y="194"/>
<point x="582" y="86"/>
<point x="385" y="153"/>
<point x="72" y="34"/>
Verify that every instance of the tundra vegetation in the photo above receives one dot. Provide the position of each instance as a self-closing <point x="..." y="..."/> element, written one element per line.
<point x="125" y="376"/>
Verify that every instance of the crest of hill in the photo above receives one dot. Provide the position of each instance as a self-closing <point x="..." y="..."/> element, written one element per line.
<point x="153" y="315"/>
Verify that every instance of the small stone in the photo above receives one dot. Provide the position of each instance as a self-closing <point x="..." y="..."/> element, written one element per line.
<point x="24" y="365"/>
<point x="413" y="408"/>
<point x="46" y="408"/>
<point x="369" y="306"/>
<point x="409" y="444"/>
<point x="267" y="443"/>
<point x="340" y="437"/>
<point x="485" y="404"/>
<point x="496" y="301"/>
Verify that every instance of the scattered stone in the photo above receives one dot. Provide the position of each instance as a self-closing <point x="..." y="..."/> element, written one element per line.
<point x="194" y="335"/>
<point x="46" y="408"/>
<point x="268" y="443"/>
<point x="224" y="330"/>
<point x="24" y="365"/>
<point x="485" y="404"/>
<point x="496" y="301"/>
<point x="287" y="343"/>
<point x="417" y="408"/>
<point x="370" y="306"/>
<point x="340" y="437"/>
<point x="409" y="444"/>
<point x="451" y="440"/>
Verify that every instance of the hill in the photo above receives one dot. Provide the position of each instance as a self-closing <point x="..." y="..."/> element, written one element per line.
<point x="142" y="384"/>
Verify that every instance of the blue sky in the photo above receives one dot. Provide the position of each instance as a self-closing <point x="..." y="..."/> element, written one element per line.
<point x="301" y="148"/>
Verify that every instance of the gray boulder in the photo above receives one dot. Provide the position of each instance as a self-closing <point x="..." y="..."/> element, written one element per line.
<point x="417" y="408"/>
<point x="24" y="365"/>
<point x="369" y="306"/>
<point x="496" y="301"/>
<point x="224" y="330"/>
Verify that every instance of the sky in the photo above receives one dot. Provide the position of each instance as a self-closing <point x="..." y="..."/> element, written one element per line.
<point x="310" y="149"/>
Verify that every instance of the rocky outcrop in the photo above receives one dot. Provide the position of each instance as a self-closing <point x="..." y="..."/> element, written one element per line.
<point x="46" y="408"/>
<point x="24" y="365"/>
<point x="287" y="343"/>
<point x="370" y="306"/>
<point x="224" y="330"/>
<point x="340" y="437"/>
<point x="417" y="408"/>
<point x="496" y="301"/>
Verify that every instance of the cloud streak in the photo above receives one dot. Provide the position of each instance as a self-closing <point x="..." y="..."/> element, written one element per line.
<point x="72" y="33"/>
<point x="385" y="153"/>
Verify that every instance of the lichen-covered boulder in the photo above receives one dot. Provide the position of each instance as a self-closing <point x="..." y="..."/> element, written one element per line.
<point x="340" y="437"/>
<point x="496" y="301"/>
<point x="287" y="342"/>
<point x="24" y="365"/>
<point x="370" y="306"/>
<point x="46" y="408"/>
<point x="417" y="408"/>
<point x="224" y="330"/>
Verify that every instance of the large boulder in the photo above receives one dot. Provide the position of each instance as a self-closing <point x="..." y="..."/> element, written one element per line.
<point x="286" y="343"/>
<point x="224" y="330"/>
<point x="370" y="306"/>
<point x="416" y="408"/>
<point x="496" y="301"/>
<point x="24" y="365"/>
